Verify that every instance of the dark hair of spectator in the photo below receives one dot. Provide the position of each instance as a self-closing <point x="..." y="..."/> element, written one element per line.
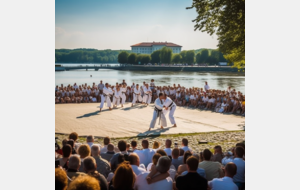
<point x="124" y="177"/>
<point x="192" y="162"/>
<point x="67" y="150"/>
<point x="207" y="154"/>
<point x="186" y="155"/>
<point x="122" y="145"/>
<point x="73" y="136"/>
<point x="106" y="140"/>
<point x="185" y="141"/>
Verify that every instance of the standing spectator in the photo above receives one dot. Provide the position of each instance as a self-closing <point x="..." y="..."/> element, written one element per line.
<point x="89" y="166"/>
<point x="124" y="178"/>
<point x="61" y="179"/>
<point x="114" y="160"/>
<point x="218" y="154"/>
<point x="103" y="166"/>
<point x="84" y="182"/>
<point x="225" y="183"/>
<point x="134" y="161"/>
<point x="73" y="167"/>
<point x="83" y="151"/>
<point x="206" y="87"/>
<point x="192" y="180"/>
<point x="67" y="152"/>
<point x="168" y="149"/>
<point x="175" y="158"/>
<point x="184" y="145"/>
<point x="239" y="178"/>
<point x="110" y="152"/>
<point x="100" y="87"/>
<point x="212" y="169"/>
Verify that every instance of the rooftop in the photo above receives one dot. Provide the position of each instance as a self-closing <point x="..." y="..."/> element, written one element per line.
<point x="149" y="44"/>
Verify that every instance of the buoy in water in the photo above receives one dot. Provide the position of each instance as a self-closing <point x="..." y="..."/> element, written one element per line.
<point x="90" y="75"/>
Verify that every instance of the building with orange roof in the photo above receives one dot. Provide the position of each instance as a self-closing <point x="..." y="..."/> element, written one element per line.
<point x="150" y="47"/>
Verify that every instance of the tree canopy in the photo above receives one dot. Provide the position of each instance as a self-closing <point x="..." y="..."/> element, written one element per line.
<point x="155" y="58"/>
<point x="132" y="58"/>
<point x="226" y="19"/>
<point x="165" y="55"/>
<point x="123" y="57"/>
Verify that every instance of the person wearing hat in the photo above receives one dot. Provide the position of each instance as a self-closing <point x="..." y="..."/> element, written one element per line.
<point x="162" y="181"/>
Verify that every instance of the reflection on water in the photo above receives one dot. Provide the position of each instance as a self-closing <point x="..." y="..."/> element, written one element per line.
<point x="187" y="79"/>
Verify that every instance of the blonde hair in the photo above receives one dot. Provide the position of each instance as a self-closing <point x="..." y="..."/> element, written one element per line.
<point x="156" y="145"/>
<point x="84" y="183"/>
<point x="84" y="150"/>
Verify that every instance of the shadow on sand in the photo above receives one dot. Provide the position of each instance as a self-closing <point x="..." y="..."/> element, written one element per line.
<point x="92" y="114"/>
<point x="152" y="133"/>
<point x="140" y="106"/>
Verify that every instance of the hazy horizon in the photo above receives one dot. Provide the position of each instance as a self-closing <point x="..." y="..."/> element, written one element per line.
<point x="117" y="24"/>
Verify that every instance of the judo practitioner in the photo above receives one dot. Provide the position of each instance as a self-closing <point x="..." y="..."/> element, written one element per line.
<point x="136" y="95"/>
<point x="123" y="90"/>
<point x="105" y="97"/>
<point x="117" y="96"/>
<point x="171" y="106"/>
<point x="147" y="94"/>
<point x="157" y="113"/>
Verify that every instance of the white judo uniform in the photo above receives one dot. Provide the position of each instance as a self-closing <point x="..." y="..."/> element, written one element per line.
<point x="123" y="96"/>
<point x="158" y="113"/>
<point x="136" y="95"/>
<point x="171" y="108"/>
<point x="105" y="97"/>
<point x="116" y="98"/>
<point x="147" y="95"/>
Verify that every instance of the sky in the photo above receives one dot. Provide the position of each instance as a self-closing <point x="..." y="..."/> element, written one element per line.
<point x="118" y="24"/>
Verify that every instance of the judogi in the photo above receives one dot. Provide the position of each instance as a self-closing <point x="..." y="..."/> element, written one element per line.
<point x="105" y="97"/>
<point x="116" y="98"/>
<point x="171" y="107"/>
<point x="123" y="96"/>
<point x="136" y="95"/>
<point x="158" y="113"/>
<point x="147" y="95"/>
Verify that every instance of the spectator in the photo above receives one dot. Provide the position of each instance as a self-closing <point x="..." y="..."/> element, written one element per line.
<point x="239" y="178"/>
<point x="114" y="159"/>
<point x="73" y="167"/>
<point x="74" y="137"/>
<point x="124" y="178"/>
<point x="106" y="141"/>
<point x="155" y="158"/>
<point x="134" y="161"/>
<point x="206" y="87"/>
<point x="157" y="182"/>
<point x="225" y="183"/>
<point x="229" y="156"/>
<point x="146" y="154"/>
<point x="133" y="145"/>
<point x="175" y="158"/>
<point x="90" y="140"/>
<point x="168" y="149"/>
<point x="155" y="145"/>
<point x="181" y="153"/>
<point x="90" y="166"/>
<point x="128" y="147"/>
<point x="192" y="180"/>
<point x="218" y="154"/>
<point x="184" y="144"/>
<point x="61" y="179"/>
<point x="212" y="169"/>
<point x="67" y="151"/>
<point x="201" y="157"/>
<point x="83" y="151"/>
<point x="103" y="166"/>
<point x="183" y="167"/>
<point x="100" y="87"/>
<point x="110" y="152"/>
<point x="84" y="182"/>
<point x="72" y="144"/>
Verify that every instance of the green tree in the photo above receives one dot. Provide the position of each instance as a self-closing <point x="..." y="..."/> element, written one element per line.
<point x="226" y="19"/>
<point x="198" y="57"/>
<point x="123" y="57"/>
<point x="190" y="56"/>
<point x="183" y="56"/>
<point x="176" y="58"/>
<point x="165" y="55"/>
<point x="155" y="57"/>
<point x="132" y="58"/>
<point x="145" y="59"/>
<point x="203" y="57"/>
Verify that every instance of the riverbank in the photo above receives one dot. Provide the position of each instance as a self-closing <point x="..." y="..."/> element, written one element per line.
<point x="86" y="119"/>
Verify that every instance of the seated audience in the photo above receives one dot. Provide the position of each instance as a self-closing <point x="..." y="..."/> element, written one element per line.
<point x="184" y="145"/>
<point x="83" y="151"/>
<point x="183" y="167"/>
<point x="176" y="161"/>
<point x="114" y="159"/>
<point x="212" y="169"/>
<point x="90" y="167"/>
<point x="218" y="154"/>
<point x="67" y="152"/>
<point x="124" y="178"/>
<point x="239" y="178"/>
<point x="225" y="183"/>
<point x="109" y="154"/>
<point x="168" y="149"/>
<point x="106" y="141"/>
<point x="61" y="179"/>
<point x="73" y="167"/>
<point x="84" y="182"/>
<point x="192" y="180"/>
<point x="145" y="154"/>
<point x="103" y="166"/>
<point x="134" y="161"/>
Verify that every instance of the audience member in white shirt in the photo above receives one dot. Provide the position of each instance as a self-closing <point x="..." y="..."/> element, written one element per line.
<point x="90" y="141"/>
<point x="146" y="154"/>
<point x="184" y="144"/>
<point x="134" y="161"/>
<point x="225" y="183"/>
<point x="206" y="87"/>
<point x="168" y="149"/>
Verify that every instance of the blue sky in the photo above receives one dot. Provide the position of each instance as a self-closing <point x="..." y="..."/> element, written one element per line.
<point x="118" y="24"/>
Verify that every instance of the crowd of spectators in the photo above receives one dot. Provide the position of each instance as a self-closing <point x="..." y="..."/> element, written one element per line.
<point x="222" y="101"/>
<point x="91" y="166"/>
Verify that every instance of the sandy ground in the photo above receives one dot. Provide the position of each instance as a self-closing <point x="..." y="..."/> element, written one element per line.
<point x="85" y="119"/>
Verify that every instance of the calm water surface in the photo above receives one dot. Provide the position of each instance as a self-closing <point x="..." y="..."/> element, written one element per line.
<point x="162" y="78"/>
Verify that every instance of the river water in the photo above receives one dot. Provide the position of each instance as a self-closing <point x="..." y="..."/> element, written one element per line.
<point x="162" y="78"/>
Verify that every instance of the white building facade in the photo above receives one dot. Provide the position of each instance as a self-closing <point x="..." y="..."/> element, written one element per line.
<point x="150" y="47"/>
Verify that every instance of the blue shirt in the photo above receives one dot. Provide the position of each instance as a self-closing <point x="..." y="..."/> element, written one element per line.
<point x="240" y="173"/>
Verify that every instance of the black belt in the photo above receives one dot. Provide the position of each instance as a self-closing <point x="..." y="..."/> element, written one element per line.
<point x="123" y="92"/>
<point x="106" y="95"/>
<point x="171" y="104"/>
<point x="158" y="111"/>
